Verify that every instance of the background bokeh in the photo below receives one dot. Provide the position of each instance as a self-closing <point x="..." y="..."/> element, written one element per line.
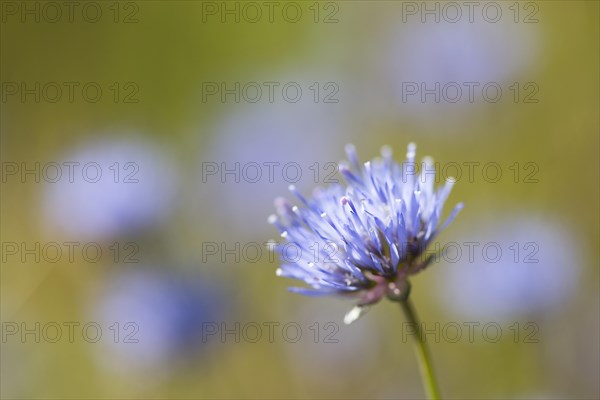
<point x="143" y="312"/>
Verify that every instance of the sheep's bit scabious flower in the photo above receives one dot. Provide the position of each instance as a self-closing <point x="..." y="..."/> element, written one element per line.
<point x="365" y="238"/>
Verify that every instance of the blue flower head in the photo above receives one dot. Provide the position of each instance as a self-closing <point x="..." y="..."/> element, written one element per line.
<point x="365" y="238"/>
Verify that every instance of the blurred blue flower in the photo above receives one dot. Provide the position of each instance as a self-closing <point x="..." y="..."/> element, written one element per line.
<point x="364" y="239"/>
<point x="256" y="131"/>
<point x="534" y="267"/>
<point x="117" y="186"/>
<point x="156" y="320"/>
<point x="437" y="75"/>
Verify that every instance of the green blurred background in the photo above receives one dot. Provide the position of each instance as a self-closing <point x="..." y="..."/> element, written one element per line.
<point x="163" y="54"/>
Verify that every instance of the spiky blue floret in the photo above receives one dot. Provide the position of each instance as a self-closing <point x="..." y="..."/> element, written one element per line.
<point x="344" y="238"/>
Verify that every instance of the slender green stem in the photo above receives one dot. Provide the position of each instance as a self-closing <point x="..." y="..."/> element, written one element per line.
<point x="422" y="352"/>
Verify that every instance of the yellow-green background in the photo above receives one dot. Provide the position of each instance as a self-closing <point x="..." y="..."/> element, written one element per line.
<point x="168" y="53"/>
